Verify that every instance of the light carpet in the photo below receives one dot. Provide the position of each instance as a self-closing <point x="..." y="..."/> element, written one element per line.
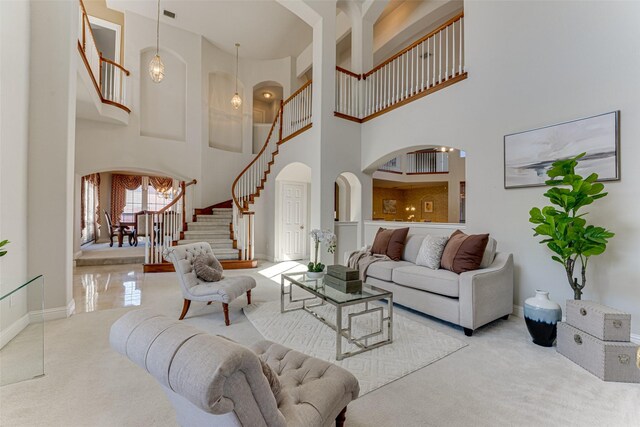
<point x="414" y="345"/>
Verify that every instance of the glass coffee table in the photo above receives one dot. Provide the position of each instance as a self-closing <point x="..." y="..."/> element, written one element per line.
<point x="322" y="295"/>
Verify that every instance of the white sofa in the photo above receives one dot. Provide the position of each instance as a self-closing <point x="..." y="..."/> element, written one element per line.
<point x="469" y="299"/>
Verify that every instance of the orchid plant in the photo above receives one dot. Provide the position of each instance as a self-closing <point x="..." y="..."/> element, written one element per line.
<point x="320" y="236"/>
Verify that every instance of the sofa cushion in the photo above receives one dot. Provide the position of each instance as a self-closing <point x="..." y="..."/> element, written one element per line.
<point x="207" y="268"/>
<point x="431" y="250"/>
<point x="464" y="252"/>
<point x="396" y="243"/>
<point x="442" y="282"/>
<point x="382" y="269"/>
<point x="381" y="241"/>
<point x="411" y="247"/>
<point x="489" y="253"/>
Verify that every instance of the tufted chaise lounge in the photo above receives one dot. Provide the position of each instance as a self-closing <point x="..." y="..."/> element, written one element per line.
<point x="212" y="381"/>
<point x="194" y="289"/>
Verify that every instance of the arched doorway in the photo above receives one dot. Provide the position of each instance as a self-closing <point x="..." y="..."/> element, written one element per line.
<point x="293" y="187"/>
<point x="347" y="214"/>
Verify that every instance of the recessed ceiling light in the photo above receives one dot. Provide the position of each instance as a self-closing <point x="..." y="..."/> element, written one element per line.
<point x="267" y="95"/>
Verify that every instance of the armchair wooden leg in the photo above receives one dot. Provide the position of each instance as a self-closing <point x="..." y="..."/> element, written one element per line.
<point x="249" y="297"/>
<point x="342" y="416"/>
<point x="185" y="308"/>
<point x="209" y="303"/>
<point x="225" y="307"/>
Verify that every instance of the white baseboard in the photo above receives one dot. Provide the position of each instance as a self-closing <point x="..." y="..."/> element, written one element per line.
<point x="14" y="329"/>
<point x="264" y="257"/>
<point x="518" y="311"/>
<point x="53" y="313"/>
<point x="77" y="255"/>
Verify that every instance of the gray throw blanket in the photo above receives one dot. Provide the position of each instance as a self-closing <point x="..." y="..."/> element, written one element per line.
<point x="362" y="259"/>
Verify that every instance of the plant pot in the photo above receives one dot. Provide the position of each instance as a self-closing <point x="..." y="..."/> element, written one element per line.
<point x="315" y="274"/>
<point x="542" y="316"/>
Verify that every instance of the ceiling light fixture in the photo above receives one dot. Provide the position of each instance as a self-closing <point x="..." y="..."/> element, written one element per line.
<point x="267" y="95"/>
<point x="156" y="67"/>
<point x="236" y="101"/>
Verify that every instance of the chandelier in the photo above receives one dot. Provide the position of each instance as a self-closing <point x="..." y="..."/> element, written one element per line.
<point x="236" y="101"/>
<point x="156" y="67"/>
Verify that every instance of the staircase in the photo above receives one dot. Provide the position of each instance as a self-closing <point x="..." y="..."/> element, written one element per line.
<point x="214" y="229"/>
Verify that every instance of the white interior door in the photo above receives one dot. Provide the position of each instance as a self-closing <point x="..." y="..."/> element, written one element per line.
<point x="294" y="217"/>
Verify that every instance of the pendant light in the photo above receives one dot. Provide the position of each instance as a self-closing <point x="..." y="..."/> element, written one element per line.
<point x="236" y="101"/>
<point x="156" y="67"/>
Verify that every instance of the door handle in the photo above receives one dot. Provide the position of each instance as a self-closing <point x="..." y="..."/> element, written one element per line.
<point x="302" y="227"/>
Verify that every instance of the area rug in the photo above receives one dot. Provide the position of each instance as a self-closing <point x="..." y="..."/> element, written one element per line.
<point x="414" y="345"/>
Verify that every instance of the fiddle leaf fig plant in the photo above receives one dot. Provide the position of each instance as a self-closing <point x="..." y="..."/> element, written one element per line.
<point x="2" y="243"/>
<point x="566" y="232"/>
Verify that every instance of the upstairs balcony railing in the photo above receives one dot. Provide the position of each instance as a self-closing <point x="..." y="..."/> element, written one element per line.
<point x="426" y="162"/>
<point x="109" y="78"/>
<point x="429" y="64"/>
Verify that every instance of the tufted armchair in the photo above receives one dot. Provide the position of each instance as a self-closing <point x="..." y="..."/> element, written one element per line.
<point x="194" y="289"/>
<point x="212" y="381"/>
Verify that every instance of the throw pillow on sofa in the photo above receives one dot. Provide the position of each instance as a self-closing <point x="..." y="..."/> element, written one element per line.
<point x="390" y="242"/>
<point x="207" y="268"/>
<point x="431" y="250"/>
<point x="464" y="252"/>
<point x="381" y="241"/>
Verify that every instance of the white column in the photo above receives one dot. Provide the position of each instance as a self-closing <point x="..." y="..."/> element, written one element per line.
<point x="52" y="116"/>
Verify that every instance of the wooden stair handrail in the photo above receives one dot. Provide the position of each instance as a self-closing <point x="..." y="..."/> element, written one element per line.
<point x="350" y="73"/>
<point x="108" y="61"/>
<point x="296" y="93"/>
<point x="255" y="159"/>
<point x="414" y="44"/>
<point x="97" y="79"/>
<point x="279" y="116"/>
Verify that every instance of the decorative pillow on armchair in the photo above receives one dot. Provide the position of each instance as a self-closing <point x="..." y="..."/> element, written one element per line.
<point x="207" y="268"/>
<point x="464" y="252"/>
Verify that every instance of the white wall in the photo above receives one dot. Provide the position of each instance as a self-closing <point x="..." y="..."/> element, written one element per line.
<point x="14" y="133"/>
<point x="532" y="64"/>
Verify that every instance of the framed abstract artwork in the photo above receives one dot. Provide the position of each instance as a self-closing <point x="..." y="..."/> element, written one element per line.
<point x="389" y="206"/>
<point x="528" y="155"/>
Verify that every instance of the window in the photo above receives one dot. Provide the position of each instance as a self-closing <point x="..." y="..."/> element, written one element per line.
<point x="157" y="200"/>
<point x="133" y="201"/>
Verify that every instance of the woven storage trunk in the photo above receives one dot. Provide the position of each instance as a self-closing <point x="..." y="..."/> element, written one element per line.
<point x="605" y="323"/>
<point x="342" y="272"/>
<point x="607" y="360"/>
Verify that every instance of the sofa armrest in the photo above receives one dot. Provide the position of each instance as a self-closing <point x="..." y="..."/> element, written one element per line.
<point x="487" y="294"/>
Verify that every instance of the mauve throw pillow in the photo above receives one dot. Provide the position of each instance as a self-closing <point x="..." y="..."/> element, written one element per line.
<point x="381" y="241"/>
<point x="207" y="268"/>
<point x="396" y="243"/>
<point x="464" y="252"/>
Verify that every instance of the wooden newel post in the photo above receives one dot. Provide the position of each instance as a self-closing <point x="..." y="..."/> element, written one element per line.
<point x="183" y="188"/>
<point x="281" y="117"/>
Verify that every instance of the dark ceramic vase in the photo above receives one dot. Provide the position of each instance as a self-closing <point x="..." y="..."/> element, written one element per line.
<point x="542" y="316"/>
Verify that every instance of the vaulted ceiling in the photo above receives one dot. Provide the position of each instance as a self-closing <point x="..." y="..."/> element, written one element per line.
<point x="264" y="28"/>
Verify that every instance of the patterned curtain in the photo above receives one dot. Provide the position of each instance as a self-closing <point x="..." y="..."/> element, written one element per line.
<point x="119" y="185"/>
<point x="161" y="184"/>
<point x="94" y="179"/>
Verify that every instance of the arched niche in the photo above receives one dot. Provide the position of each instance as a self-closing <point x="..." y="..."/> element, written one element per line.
<point x="422" y="184"/>
<point x="225" y="122"/>
<point x="292" y="212"/>
<point x="267" y="96"/>
<point x="163" y="106"/>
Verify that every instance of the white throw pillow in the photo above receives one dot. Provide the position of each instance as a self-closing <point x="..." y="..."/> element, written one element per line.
<point x="431" y="251"/>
